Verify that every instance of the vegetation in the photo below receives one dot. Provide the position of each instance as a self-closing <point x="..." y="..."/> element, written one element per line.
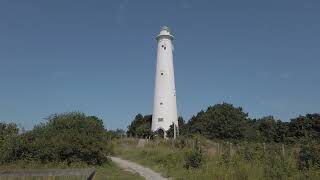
<point x="7" y="131"/>
<point x="226" y="122"/>
<point x="219" y="143"/>
<point x="181" y="124"/>
<point x="195" y="158"/>
<point x="70" y="137"/>
<point x="233" y="146"/>
<point x="115" y="134"/>
<point x="221" y="121"/>
<point x="181" y="159"/>
<point x="68" y="140"/>
<point x="140" y="126"/>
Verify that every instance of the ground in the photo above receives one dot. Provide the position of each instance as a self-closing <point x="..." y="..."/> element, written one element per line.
<point x="134" y="167"/>
<point x="114" y="172"/>
<point x="107" y="171"/>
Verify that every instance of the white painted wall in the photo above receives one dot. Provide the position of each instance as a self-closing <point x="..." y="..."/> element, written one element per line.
<point x="165" y="105"/>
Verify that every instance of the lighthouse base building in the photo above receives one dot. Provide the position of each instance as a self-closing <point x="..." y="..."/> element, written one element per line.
<point x="165" y="106"/>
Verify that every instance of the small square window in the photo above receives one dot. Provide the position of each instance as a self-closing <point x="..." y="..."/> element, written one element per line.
<point x="160" y="119"/>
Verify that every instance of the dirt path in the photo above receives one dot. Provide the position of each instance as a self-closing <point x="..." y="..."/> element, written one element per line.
<point x="134" y="167"/>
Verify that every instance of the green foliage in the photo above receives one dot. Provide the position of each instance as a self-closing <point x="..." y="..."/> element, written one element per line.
<point x="70" y="137"/>
<point x="251" y="152"/>
<point x="305" y="127"/>
<point x="181" y="142"/>
<point x="140" y="126"/>
<point x="267" y="128"/>
<point x="194" y="159"/>
<point x="7" y="130"/>
<point x="245" y="160"/>
<point x="270" y="130"/>
<point x="309" y="156"/>
<point x="222" y="121"/>
<point x="181" y="124"/>
<point x="118" y="133"/>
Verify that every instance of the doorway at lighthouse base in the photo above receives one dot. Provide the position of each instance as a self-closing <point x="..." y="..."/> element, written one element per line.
<point x="160" y="133"/>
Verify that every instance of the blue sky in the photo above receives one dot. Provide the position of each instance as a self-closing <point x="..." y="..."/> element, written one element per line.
<point x="99" y="57"/>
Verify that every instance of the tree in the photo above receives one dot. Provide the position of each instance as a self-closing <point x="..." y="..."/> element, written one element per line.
<point x="140" y="126"/>
<point x="222" y="121"/>
<point x="281" y="131"/>
<point x="304" y="127"/>
<point x="267" y="128"/>
<point x="181" y="126"/>
<point x="8" y="130"/>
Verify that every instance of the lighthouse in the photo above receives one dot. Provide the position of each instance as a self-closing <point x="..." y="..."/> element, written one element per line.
<point x="165" y="106"/>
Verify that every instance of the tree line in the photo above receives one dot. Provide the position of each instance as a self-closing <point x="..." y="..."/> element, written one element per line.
<point x="227" y="122"/>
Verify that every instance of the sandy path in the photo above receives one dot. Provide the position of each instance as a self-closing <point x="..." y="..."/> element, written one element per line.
<point x="134" y="167"/>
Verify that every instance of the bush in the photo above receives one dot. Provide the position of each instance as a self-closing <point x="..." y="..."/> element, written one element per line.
<point x="70" y="137"/>
<point x="251" y="152"/>
<point x="195" y="158"/>
<point x="309" y="156"/>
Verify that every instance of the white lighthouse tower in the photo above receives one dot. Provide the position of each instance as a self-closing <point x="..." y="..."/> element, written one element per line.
<point x="165" y="106"/>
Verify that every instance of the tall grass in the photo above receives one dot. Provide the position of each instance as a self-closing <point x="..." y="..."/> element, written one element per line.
<point x="222" y="160"/>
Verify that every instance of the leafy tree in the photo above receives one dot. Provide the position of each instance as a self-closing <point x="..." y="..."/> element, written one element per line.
<point x="270" y="130"/>
<point x="251" y="132"/>
<point x="140" y="126"/>
<point x="8" y="130"/>
<point x="281" y="131"/>
<point x="181" y="124"/>
<point x="304" y="127"/>
<point x="267" y="128"/>
<point x="222" y="121"/>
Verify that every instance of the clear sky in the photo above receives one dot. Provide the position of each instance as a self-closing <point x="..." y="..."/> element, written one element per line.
<point x="99" y="57"/>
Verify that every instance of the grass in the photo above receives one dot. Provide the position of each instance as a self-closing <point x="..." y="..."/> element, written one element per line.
<point x="242" y="161"/>
<point x="106" y="171"/>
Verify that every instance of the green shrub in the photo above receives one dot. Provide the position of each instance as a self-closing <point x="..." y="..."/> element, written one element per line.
<point x="194" y="159"/>
<point x="251" y="152"/>
<point x="180" y="142"/>
<point x="70" y="137"/>
<point x="309" y="156"/>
